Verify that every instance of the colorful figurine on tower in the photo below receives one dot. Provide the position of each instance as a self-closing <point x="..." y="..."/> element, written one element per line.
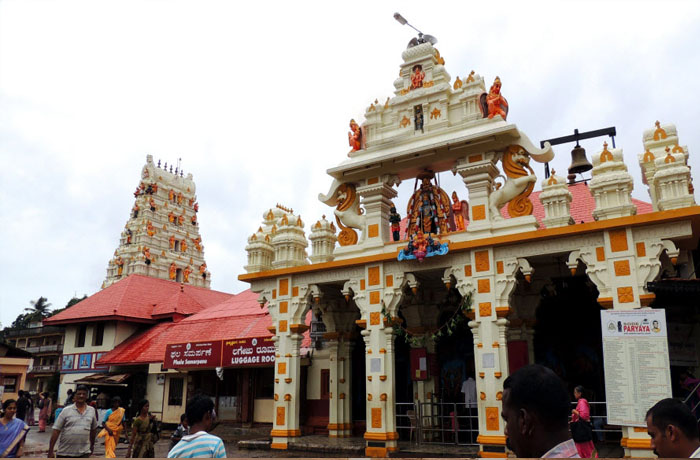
<point x="395" y="220"/>
<point x="460" y="212"/>
<point x="417" y="77"/>
<point x="355" y="136"/>
<point x="494" y="103"/>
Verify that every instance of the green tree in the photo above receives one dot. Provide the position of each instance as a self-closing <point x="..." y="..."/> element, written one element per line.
<point x="39" y="310"/>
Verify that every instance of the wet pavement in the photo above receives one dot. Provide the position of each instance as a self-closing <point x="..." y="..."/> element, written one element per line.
<point x="255" y="443"/>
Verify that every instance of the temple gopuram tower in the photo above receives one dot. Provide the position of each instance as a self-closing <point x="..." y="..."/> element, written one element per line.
<point x="161" y="238"/>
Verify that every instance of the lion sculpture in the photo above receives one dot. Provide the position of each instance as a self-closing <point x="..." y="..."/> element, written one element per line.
<point x="348" y="213"/>
<point x="517" y="188"/>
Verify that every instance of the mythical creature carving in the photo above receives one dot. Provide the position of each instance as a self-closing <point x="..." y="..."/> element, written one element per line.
<point x="348" y="213"/>
<point x="517" y="187"/>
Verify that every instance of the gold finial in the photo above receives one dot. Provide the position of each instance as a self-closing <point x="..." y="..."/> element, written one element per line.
<point x="386" y="104"/>
<point x="648" y="156"/>
<point x="669" y="157"/>
<point x="660" y="133"/>
<point x="605" y="155"/>
<point x="376" y="101"/>
<point x="470" y="78"/>
<point x="458" y="83"/>
<point x="677" y="149"/>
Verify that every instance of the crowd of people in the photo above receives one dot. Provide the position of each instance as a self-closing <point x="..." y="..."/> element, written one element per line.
<point x="539" y="423"/>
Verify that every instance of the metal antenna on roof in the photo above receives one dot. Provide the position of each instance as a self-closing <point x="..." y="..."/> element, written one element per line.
<point x="422" y="38"/>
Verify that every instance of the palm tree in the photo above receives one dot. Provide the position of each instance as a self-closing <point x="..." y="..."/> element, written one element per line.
<point x="39" y="310"/>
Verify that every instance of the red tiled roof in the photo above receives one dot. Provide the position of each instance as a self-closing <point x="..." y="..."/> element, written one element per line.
<point x="582" y="206"/>
<point x="237" y="317"/>
<point x="139" y="298"/>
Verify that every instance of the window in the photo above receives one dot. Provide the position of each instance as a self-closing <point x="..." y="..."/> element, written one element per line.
<point x="80" y="337"/>
<point x="175" y="391"/>
<point x="325" y="383"/>
<point x="10" y="383"/>
<point x="98" y="337"/>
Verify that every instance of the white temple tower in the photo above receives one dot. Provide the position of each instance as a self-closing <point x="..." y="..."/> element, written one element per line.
<point x="161" y="238"/>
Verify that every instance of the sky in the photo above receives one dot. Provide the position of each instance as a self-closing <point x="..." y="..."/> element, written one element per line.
<point x="255" y="97"/>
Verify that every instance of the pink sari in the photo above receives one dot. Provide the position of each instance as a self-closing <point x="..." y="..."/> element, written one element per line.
<point x="585" y="449"/>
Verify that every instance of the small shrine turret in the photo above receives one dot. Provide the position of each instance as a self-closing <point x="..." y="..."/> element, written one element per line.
<point x="672" y="181"/>
<point x="656" y="141"/>
<point x="322" y="241"/>
<point x="611" y="185"/>
<point x="556" y="200"/>
<point x="260" y="252"/>
<point x="289" y="242"/>
<point x="279" y="243"/>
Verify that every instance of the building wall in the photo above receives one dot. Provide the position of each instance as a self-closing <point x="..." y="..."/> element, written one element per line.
<point x="18" y="367"/>
<point x="263" y="410"/>
<point x="154" y="390"/>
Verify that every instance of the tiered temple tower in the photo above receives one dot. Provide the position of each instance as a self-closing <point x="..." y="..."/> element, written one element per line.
<point x="161" y="237"/>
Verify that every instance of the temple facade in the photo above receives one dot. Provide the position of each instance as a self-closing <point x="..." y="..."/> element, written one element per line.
<point x="161" y="238"/>
<point x="488" y="283"/>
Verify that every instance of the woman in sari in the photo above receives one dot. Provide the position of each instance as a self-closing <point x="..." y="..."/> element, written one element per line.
<point x="582" y="413"/>
<point x="12" y="431"/>
<point x="113" y="426"/>
<point x="141" y="445"/>
<point x="44" y="410"/>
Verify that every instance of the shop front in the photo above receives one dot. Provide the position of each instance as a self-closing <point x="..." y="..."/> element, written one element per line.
<point x="237" y="374"/>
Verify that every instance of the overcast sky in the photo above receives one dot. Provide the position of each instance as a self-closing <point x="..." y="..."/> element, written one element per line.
<point x="255" y="97"/>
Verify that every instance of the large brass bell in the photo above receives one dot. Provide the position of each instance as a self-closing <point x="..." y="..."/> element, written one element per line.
<point x="579" y="162"/>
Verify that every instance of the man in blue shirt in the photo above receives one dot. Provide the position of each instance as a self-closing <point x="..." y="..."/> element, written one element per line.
<point x="199" y="444"/>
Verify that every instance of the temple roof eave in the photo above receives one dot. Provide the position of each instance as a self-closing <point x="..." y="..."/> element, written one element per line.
<point x="437" y="153"/>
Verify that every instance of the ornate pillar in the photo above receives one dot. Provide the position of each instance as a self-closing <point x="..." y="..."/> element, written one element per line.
<point x="287" y="306"/>
<point x="490" y="282"/>
<point x="620" y="266"/>
<point x="377" y="295"/>
<point x="377" y="194"/>
<point x="478" y="172"/>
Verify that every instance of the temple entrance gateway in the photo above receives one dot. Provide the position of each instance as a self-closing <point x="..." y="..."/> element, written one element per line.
<point x="509" y="262"/>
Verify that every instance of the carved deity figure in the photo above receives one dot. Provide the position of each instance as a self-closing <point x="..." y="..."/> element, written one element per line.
<point x="194" y="219"/>
<point x="460" y="212"/>
<point x="197" y="244"/>
<point x="179" y="198"/>
<point x="171" y="217"/>
<point x="428" y="209"/>
<point x="494" y="103"/>
<point x="183" y="245"/>
<point x="355" y="136"/>
<point x="180" y="219"/>
<point x="171" y="195"/>
<point x="172" y="241"/>
<point x="128" y="236"/>
<point x="420" y="246"/>
<point x="417" y="77"/>
<point x="196" y="207"/>
<point x="203" y="270"/>
<point x="135" y="210"/>
<point x="186" y="274"/>
<point x="395" y="220"/>
<point x="150" y="229"/>
<point x="147" y="255"/>
<point x="172" y="271"/>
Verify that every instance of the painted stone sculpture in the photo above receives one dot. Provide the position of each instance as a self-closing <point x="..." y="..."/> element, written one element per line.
<point x="517" y="188"/>
<point x="348" y="213"/>
<point x="494" y="103"/>
<point x="417" y="77"/>
<point x="460" y="212"/>
<point x="428" y="214"/>
<point x="355" y="136"/>
<point x="395" y="220"/>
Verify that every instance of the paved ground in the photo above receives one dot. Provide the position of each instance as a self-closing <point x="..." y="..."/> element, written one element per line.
<point x="257" y="442"/>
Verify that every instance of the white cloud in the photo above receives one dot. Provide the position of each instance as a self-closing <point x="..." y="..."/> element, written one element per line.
<point x="256" y="97"/>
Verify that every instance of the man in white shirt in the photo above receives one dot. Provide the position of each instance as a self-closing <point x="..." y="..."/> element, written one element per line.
<point x="469" y="390"/>
<point x="673" y="430"/>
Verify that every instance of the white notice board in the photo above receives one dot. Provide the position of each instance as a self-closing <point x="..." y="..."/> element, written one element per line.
<point x="637" y="372"/>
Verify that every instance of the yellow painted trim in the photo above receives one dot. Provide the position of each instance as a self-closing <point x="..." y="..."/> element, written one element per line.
<point x="278" y="445"/>
<point x="376" y="452"/>
<point x="374" y="436"/>
<point x="635" y="443"/>
<point x="658" y="217"/>
<point x="483" y="454"/>
<point x="494" y="440"/>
